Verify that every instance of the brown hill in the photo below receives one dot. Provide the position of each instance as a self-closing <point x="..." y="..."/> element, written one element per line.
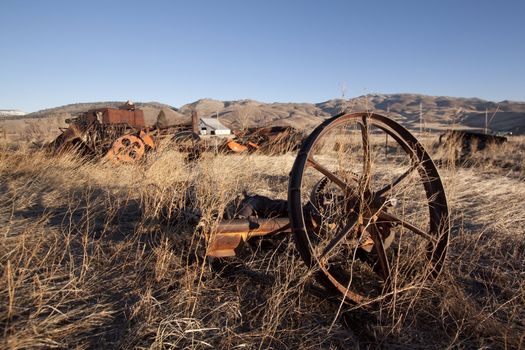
<point x="246" y="113"/>
<point x="438" y="112"/>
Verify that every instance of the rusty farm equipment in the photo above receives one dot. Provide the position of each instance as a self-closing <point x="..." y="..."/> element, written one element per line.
<point x="118" y="134"/>
<point x="122" y="136"/>
<point x="367" y="221"/>
<point x="466" y="142"/>
<point x="267" y="140"/>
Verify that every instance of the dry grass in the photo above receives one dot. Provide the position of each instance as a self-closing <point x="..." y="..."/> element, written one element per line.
<point x="26" y="132"/>
<point x="99" y="256"/>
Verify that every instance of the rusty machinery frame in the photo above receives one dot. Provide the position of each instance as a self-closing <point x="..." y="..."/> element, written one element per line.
<point x="121" y="135"/>
<point x="118" y="134"/>
<point x="367" y="221"/>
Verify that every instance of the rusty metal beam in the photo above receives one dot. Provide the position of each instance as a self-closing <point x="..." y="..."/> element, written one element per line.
<point x="230" y="234"/>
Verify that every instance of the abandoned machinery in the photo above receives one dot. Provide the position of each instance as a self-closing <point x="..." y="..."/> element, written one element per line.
<point x="121" y="135"/>
<point x="365" y="219"/>
<point x="369" y="218"/>
<point x="466" y="142"/>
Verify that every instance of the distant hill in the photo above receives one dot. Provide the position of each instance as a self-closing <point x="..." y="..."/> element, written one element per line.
<point x="238" y="114"/>
<point x="438" y="111"/>
<point x="441" y="111"/>
<point x="11" y="113"/>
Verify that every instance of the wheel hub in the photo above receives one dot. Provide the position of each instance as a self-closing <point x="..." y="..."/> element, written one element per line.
<point x="366" y="209"/>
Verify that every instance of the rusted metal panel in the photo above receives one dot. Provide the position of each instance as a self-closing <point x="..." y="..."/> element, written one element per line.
<point x="119" y="116"/>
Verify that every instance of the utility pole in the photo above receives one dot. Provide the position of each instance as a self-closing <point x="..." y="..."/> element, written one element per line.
<point x="386" y="134"/>
<point x="486" y="120"/>
<point x="343" y="93"/>
<point x="343" y="90"/>
<point x="195" y="122"/>
<point x="420" y="118"/>
<point x="3" y="132"/>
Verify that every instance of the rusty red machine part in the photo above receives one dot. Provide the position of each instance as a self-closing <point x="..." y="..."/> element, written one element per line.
<point x="229" y="235"/>
<point x="363" y="235"/>
<point x="127" y="149"/>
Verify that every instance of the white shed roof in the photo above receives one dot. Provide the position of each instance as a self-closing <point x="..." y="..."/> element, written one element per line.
<point x="214" y="124"/>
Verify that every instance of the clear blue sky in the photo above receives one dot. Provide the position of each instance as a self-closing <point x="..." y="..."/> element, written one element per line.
<point x="59" y="52"/>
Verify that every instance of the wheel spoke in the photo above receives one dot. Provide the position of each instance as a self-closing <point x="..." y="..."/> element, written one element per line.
<point x="380" y="250"/>
<point x="392" y="218"/>
<point x="340" y="236"/>
<point x="367" y="161"/>
<point x="396" y="182"/>
<point x="331" y="176"/>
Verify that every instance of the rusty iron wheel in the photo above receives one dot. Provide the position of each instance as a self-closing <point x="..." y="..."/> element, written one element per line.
<point x="367" y="207"/>
<point x="127" y="149"/>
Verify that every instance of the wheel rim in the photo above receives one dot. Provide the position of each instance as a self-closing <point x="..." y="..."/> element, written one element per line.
<point x="341" y="203"/>
<point x="127" y="149"/>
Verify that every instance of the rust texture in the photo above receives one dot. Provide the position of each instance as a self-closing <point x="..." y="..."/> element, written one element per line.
<point x="134" y="118"/>
<point x="327" y="212"/>
<point x="230" y="234"/>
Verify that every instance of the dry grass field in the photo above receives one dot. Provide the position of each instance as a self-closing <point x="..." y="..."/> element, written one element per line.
<point x="95" y="255"/>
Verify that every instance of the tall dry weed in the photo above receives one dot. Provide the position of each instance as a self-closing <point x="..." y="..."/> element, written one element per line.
<point x="101" y="256"/>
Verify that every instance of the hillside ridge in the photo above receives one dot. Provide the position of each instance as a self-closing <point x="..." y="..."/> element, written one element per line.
<point x="436" y="111"/>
